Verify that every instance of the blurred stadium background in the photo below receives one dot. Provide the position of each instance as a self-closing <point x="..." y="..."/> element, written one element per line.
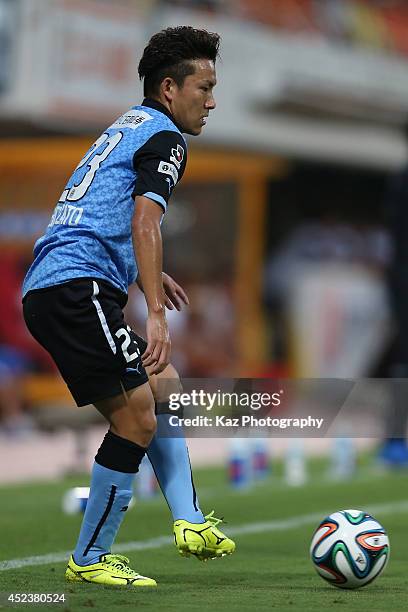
<point x="283" y="230"/>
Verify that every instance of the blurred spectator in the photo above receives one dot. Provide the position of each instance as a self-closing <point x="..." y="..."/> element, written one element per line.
<point x="13" y="365"/>
<point x="208" y="338"/>
<point x="307" y="248"/>
<point x="13" y="331"/>
<point x="19" y="353"/>
<point x="395" y="449"/>
<point x="324" y="241"/>
<point x="202" y="334"/>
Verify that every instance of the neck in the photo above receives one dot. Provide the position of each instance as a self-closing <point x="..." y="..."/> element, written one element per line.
<point x="166" y="108"/>
<point x="162" y="100"/>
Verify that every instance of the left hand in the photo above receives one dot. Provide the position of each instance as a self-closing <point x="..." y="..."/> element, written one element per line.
<point x="175" y="296"/>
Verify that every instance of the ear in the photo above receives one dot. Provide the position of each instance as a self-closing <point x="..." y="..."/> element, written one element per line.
<point x="168" y="86"/>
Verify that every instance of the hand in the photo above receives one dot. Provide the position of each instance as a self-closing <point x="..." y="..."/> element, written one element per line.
<point x="157" y="353"/>
<point x="175" y="295"/>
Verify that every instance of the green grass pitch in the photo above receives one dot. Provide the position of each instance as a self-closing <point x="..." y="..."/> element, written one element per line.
<point x="270" y="570"/>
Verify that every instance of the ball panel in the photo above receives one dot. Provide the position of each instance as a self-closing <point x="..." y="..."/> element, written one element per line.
<point x="373" y="540"/>
<point x="377" y="568"/>
<point x="322" y="541"/>
<point x="354" y="516"/>
<point x="330" y="575"/>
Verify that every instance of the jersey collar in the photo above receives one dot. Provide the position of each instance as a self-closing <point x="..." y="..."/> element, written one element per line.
<point x="161" y="108"/>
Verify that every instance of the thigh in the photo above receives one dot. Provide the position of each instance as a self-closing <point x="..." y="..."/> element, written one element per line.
<point x="129" y="408"/>
<point x="165" y="383"/>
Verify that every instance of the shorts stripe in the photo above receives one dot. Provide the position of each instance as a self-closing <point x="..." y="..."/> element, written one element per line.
<point x="102" y="318"/>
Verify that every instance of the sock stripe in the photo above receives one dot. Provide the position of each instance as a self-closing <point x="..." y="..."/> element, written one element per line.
<point x="192" y="484"/>
<point x="102" y="521"/>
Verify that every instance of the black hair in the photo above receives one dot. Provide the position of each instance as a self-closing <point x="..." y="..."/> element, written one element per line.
<point x="169" y="54"/>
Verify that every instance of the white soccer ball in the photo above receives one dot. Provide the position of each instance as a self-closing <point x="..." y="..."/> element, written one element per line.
<point x="349" y="549"/>
<point x="74" y="500"/>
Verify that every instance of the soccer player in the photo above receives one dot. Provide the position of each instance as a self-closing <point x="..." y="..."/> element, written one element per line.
<point x="104" y="235"/>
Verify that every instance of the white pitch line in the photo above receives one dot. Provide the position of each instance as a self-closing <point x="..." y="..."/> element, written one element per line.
<point x="259" y="527"/>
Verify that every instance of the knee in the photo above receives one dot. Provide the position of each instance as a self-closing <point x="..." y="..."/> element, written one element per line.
<point x="140" y="430"/>
<point x="142" y="423"/>
<point x="137" y="420"/>
<point x="148" y="424"/>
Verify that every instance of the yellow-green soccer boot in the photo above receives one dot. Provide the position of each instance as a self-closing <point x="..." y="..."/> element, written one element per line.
<point x="203" y="540"/>
<point x="111" y="570"/>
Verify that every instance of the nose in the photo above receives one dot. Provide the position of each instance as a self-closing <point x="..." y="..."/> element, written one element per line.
<point x="210" y="104"/>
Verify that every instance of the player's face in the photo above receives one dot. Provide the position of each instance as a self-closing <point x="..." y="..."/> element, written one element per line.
<point x="192" y="102"/>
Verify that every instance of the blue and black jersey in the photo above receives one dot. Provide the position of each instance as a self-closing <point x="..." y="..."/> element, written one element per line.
<point x="90" y="232"/>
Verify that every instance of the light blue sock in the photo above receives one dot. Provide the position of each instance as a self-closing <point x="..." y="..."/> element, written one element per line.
<point x="108" y="501"/>
<point x="171" y="464"/>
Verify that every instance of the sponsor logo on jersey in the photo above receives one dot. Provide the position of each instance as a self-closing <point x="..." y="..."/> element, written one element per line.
<point x="170" y="169"/>
<point x="177" y="156"/>
<point x="132" y="119"/>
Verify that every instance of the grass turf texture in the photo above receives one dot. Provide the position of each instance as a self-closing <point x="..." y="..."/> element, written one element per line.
<point x="270" y="570"/>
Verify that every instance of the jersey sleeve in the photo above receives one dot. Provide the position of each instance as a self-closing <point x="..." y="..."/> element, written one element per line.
<point x="159" y="165"/>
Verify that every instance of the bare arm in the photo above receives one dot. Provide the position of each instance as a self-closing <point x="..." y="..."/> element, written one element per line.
<point x="147" y="244"/>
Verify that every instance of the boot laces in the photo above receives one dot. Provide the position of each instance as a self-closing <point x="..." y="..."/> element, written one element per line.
<point x="213" y="520"/>
<point x="119" y="562"/>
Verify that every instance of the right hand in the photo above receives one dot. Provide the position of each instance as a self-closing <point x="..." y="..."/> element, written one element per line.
<point x="157" y="353"/>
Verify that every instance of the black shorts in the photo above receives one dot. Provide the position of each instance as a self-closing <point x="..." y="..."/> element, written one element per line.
<point x="81" y="324"/>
